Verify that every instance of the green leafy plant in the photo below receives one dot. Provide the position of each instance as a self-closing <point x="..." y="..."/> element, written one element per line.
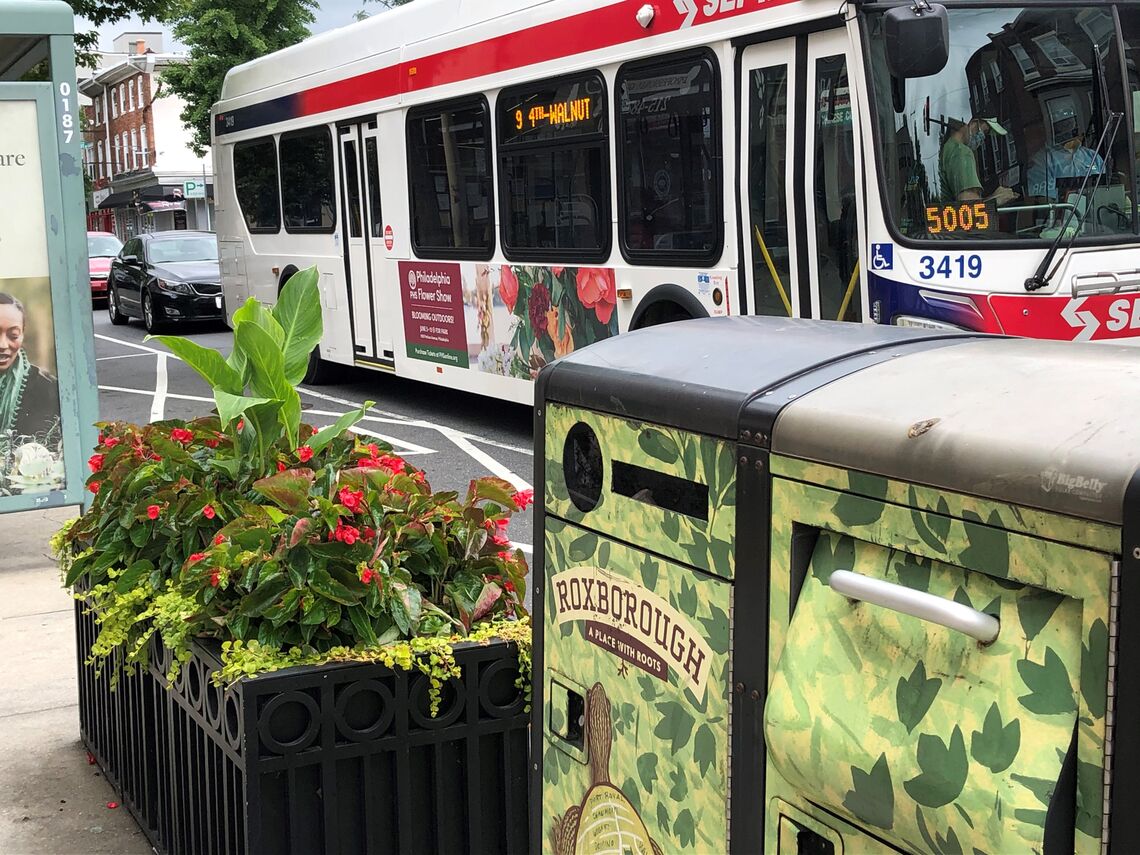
<point x="288" y="545"/>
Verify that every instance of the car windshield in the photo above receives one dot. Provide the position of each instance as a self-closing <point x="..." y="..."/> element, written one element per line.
<point x="168" y="250"/>
<point x="103" y="246"/>
<point x="999" y="143"/>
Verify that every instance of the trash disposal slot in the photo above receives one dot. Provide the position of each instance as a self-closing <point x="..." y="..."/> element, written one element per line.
<point x="660" y="490"/>
<point x="582" y="467"/>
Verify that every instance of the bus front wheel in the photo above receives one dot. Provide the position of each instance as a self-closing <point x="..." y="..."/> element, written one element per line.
<point x="320" y="372"/>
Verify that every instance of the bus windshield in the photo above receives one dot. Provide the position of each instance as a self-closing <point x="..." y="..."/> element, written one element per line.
<point x="1003" y="143"/>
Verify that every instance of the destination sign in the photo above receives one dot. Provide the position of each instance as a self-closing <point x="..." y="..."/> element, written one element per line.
<point x="561" y="108"/>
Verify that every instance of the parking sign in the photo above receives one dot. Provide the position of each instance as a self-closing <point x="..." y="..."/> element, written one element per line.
<point x="193" y="190"/>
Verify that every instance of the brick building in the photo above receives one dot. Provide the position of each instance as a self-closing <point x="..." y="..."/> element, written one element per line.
<point x="138" y="153"/>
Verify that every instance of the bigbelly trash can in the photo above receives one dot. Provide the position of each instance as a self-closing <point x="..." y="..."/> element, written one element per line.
<point x="808" y="587"/>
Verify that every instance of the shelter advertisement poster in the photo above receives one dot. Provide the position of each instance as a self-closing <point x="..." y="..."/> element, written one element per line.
<point x="31" y="440"/>
<point x="504" y="319"/>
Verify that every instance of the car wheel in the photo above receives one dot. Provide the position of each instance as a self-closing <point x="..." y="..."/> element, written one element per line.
<point x="113" y="311"/>
<point x="152" y="318"/>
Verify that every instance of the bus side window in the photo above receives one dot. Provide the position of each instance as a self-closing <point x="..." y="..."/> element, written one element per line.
<point x="449" y="180"/>
<point x="255" y="183"/>
<point x="307" y="191"/>
<point x="668" y="116"/>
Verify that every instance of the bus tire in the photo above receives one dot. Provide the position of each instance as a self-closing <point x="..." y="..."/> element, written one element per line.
<point x="666" y="304"/>
<point x="320" y="372"/>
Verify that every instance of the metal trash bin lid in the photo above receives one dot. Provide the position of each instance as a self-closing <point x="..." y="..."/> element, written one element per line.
<point x="1043" y="424"/>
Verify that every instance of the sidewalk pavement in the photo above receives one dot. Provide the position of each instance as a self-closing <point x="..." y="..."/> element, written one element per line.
<point x="54" y="801"/>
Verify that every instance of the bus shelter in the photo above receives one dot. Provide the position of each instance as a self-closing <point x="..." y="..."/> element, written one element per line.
<point x="48" y="391"/>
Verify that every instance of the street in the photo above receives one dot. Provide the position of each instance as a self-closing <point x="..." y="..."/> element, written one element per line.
<point x="453" y="436"/>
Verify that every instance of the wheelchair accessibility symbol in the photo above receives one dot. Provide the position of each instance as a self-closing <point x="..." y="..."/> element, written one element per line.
<point x="882" y="256"/>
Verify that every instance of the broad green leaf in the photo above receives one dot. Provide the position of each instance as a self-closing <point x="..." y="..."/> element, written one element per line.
<point x="943" y="770"/>
<point x="134" y="574"/>
<point x="263" y="596"/>
<point x="232" y="407"/>
<point x="492" y="489"/>
<point x="267" y="377"/>
<point x="209" y="364"/>
<point x="914" y="695"/>
<point x="288" y="489"/>
<point x="996" y="745"/>
<point x="486" y="601"/>
<point x="298" y="311"/>
<point x="252" y="312"/>
<point x="407" y="606"/>
<point x="872" y="797"/>
<point x="1051" y="693"/>
<point x="328" y="587"/>
<point x="324" y="436"/>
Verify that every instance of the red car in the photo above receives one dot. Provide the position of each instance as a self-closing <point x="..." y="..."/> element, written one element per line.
<point x="102" y="247"/>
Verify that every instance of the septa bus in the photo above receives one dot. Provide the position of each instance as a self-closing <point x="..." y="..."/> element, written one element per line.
<point x="486" y="185"/>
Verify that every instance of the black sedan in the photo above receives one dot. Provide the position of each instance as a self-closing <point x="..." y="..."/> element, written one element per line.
<point x="166" y="276"/>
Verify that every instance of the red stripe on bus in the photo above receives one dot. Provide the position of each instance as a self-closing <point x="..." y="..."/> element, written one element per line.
<point x="587" y="31"/>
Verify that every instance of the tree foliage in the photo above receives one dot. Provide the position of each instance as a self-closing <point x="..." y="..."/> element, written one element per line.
<point x="100" y="12"/>
<point x="221" y="34"/>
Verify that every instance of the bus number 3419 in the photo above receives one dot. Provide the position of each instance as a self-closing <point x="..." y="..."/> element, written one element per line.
<point x="949" y="266"/>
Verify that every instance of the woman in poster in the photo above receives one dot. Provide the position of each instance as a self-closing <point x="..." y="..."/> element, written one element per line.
<point x="29" y="399"/>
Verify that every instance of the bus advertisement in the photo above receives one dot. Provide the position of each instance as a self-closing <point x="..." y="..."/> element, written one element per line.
<point x="485" y="187"/>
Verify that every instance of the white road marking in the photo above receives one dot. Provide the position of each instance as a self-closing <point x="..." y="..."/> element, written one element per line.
<point x="135" y="345"/>
<point x="494" y="466"/>
<point x="525" y="547"/>
<point x="158" y="405"/>
<point x="121" y="356"/>
<point x="150" y="394"/>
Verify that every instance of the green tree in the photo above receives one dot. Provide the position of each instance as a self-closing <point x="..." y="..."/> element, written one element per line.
<point x="361" y="14"/>
<point x="221" y="34"/>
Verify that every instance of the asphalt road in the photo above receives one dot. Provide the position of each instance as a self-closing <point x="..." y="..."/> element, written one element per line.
<point x="452" y="436"/>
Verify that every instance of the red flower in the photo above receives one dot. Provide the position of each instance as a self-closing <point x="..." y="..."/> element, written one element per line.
<point x="153" y="511"/>
<point x="304" y="454"/>
<point x="500" y="540"/>
<point x="508" y="287"/>
<point x="95" y="462"/>
<point x="219" y="540"/>
<point x="182" y="435"/>
<point x="557" y="271"/>
<point x="112" y="805"/>
<point x="537" y="308"/>
<point x="345" y="533"/>
<point x="419" y="477"/>
<point x="215" y="578"/>
<point x="208" y="512"/>
<point x="523" y="499"/>
<point x="369" y="533"/>
<point x="506" y="556"/>
<point x="211" y="443"/>
<point x="197" y="556"/>
<point x="93" y="486"/>
<point x="367" y="575"/>
<point x="352" y="499"/>
<point x="597" y="291"/>
<point x="240" y="425"/>
<point x="280" y="466"/>
<point x="110" y="442"/>
<point x="510" y="586"/>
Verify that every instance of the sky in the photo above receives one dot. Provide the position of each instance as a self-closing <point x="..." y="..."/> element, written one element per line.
<point x="329" y="15"/>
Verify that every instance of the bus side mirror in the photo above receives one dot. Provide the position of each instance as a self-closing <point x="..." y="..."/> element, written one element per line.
<point x="916" y="39"/>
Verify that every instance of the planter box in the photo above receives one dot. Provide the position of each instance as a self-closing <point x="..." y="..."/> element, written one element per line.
<point x="335" y="759"/>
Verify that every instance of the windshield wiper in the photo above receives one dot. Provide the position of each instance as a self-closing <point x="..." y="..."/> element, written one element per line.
<point x="1041" y="278"/>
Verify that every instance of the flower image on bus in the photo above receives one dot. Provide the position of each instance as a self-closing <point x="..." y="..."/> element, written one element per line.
<point x="486" y="186"/>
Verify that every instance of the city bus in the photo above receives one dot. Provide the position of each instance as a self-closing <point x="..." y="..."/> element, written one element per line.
<point x="486" y="185"/>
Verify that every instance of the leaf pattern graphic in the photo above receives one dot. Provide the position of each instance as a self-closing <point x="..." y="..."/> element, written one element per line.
<point x="872" y="797"/>
<point x="944" y="768"/>
<point x="995" y="746"/>
<point x="914" y="695"/>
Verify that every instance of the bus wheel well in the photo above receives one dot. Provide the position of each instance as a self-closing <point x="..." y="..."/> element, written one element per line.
<point x="289" y="270"/>
<point x="664" y="305"/>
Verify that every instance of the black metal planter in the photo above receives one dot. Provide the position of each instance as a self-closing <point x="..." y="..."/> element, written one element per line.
<point x="334" y="759"/>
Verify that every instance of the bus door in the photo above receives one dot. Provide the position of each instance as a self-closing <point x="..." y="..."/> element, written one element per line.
<point x="362" y="233"/>
<point x="799" y="179"/>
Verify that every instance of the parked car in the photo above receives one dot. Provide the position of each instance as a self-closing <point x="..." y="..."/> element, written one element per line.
<point x="101" y="248"/>
<point x="165" y="277"/>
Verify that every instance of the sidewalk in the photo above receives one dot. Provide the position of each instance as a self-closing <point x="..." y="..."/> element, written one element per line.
<point x="54" y="801"/>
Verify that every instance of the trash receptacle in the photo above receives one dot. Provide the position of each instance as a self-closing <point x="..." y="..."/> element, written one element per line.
<point x="812" y="587"/>
<point x="650" y="582"/>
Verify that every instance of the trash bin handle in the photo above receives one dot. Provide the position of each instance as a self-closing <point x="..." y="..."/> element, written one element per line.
<point x="919" y="604"/>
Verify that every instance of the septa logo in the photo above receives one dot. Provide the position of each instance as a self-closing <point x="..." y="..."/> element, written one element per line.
<point x="1098" y="317"/>
<point x="1121" y="316"/>
<point x="707" y="9"/>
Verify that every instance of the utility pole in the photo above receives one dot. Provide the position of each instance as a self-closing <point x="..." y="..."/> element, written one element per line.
<point x="206" y="195"/>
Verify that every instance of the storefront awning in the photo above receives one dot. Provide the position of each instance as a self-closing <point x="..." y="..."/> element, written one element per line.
<point x="171" y="193"/>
